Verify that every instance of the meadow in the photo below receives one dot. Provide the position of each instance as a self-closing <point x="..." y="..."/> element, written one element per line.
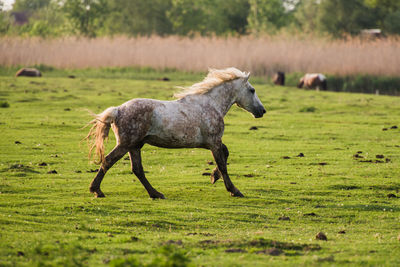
<point x="316" y="162"/>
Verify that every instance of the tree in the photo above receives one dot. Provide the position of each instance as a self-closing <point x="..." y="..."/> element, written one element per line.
<point x="391" y="23"/>
<point x="339" y="17"/>
<point x="4" y="20"/>
<point x="236" y="13"/>
<point x="30" y="5"/>
<point x="86" y="15"/>
<point x="188" y="16"/>
<point x="208" y="16"/>
<point x="306" y="15"/>
<point x="267" y="16"/>
<point x="389" y="6"/>
<point x="135" y="17"/>
<point x="388" y="12"/>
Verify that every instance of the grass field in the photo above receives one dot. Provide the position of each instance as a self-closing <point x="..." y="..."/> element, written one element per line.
<point x="346" y="185"/>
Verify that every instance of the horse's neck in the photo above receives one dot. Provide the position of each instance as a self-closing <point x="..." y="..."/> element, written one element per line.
<point x="222" y="98"/>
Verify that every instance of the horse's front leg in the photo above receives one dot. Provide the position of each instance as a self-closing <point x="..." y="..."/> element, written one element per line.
<point x="216" y="174"/>
<point x="220" y="159"/>
<point x="137" y="168"/>
<point x="116" y="154"/>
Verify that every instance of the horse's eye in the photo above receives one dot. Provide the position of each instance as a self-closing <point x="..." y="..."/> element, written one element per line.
<point x="252" y="90"/>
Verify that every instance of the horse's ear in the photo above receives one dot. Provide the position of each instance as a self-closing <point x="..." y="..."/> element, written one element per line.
<point x="247" y="76"/>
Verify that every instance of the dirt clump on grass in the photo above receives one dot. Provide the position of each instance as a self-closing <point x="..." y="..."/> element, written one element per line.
<point x="321" y="236"/>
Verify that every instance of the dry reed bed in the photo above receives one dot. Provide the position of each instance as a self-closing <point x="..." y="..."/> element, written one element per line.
<point x="260" y="55"/>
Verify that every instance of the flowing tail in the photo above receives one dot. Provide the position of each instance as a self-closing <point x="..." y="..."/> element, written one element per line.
<point x="99" y="132"/>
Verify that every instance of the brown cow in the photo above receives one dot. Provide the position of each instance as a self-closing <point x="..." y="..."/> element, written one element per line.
<point x="279" y="78"/>
<point x="313" y="81"/>
<point x="28" y="72"/>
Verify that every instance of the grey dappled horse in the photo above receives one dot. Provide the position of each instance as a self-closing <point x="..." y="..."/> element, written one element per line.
<point x="194" y="120"/>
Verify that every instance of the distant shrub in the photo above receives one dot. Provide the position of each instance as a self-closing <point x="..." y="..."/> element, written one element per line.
<point x="40" y="28"/>
<point x="44" y="67"/>
<point x="4" y="104"/>
<point x="384" y="85"/>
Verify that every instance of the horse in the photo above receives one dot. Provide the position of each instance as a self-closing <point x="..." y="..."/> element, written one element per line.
<point x="313" y="81"/>
<point x="279" y="78"/>
<point x="28" y="72"/>
<point x="195" y="119"/>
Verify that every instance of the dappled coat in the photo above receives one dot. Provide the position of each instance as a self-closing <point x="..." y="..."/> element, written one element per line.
<point x="313" y="81"/>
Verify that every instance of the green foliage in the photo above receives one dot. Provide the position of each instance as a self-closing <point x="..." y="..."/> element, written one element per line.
<point x="30" y="5"/>
<point x="306" y="16"/>
<point x="4" y="23"/>
<point x="267" y="16"/>
<point x="86" y="15"/>
<point x="365" y="84"/>
<point x="135" y="17"/>
<point x="392" y="23"/>
<point x="369" y="84"/>
<point x="206" y="17"/>
<point x="387" y="5"/>
<point x="339" y="17"/>
<point x="40" y="28"/>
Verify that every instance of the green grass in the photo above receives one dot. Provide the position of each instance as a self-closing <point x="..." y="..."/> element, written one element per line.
<point x="51" y="219"/>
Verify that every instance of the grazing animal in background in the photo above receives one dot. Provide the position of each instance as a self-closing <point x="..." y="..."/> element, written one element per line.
<point x="279" y="78"/>
<point x="28" y="72"/>
<point x="313" y="81"/>
<point x="194" y="120"/>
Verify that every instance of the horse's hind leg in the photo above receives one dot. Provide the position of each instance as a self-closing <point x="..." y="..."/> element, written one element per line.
<point x="116" y="154"/>
<point x="137" y="168"/>
<point x="216" y="174"/>
<point x="219" y="156"/>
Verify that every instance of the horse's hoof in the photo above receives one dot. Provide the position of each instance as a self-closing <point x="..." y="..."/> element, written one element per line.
<point x="99" y="194"/>
<point x="157" y="195"/>
<point x="215" y="176"/>
<point x="237" y="194"/>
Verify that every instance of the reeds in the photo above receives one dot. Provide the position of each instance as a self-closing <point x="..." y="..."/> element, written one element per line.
<point x="263" y="55"/>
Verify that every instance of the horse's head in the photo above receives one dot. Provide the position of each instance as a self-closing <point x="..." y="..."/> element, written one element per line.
<point x="247" y="98"/>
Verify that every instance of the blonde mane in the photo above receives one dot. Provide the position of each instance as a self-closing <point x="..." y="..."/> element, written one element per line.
<point x="214" y="78"/>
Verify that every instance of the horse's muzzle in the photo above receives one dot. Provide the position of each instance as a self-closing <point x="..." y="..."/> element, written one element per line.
<point x="259" y="113"/>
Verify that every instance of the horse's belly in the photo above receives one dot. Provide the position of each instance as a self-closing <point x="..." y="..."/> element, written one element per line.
<point x="172" y="141"/>
<point x="178" y="134"/>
